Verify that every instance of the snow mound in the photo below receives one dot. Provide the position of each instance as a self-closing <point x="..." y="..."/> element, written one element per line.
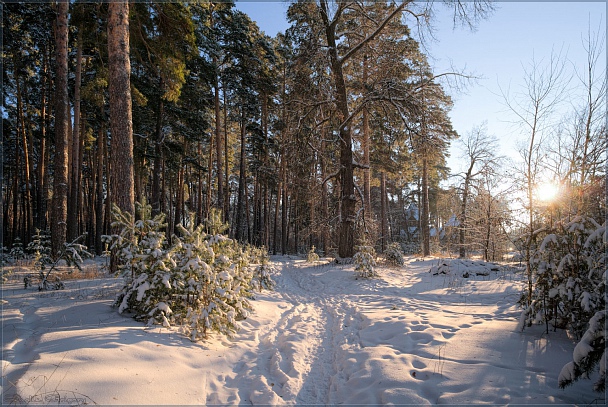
<point x="463" y="267"/>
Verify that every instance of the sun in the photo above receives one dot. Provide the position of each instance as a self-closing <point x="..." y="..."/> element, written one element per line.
<point x="547" y="191"/>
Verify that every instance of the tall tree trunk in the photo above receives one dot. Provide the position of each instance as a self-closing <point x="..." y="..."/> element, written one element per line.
<point x="16" y="183"/>
<point x="74" y="187"/>
<point x="60" y="170"/>
<point x="226" y="208"/>
<point x="276" y="218"/>
<point x="27" y="167"/>
<point x="199" y="191"/>
<point x="240" y="209"/>
<point x="347" y="221"/>
<point x="40" y="179"/>
<point x="284" y="238"/>
<point x="209" y="173"/>
<point x="463" y="212"/>
<point x="382" y="212"/>
<point x="365" y="144"/>
<point x="424" y="212"/>
<point x="179" y="197"/>
<point x="219" y="144"/>
<point x="121" y="123"/>
<point x="99" y="218"/>
<point x="157" y="195"/>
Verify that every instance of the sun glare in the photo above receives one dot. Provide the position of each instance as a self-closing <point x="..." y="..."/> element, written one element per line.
<point x="547" y="191"/>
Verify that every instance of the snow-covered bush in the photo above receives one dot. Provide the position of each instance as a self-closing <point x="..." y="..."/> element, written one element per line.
<point x="569" y="269"/>
<point x="365" y="261"/>
<point x="393" y="254"/>
<point x="202" y="283"/>
<point x="588" y="354"/>
<point x="312" y="257"/>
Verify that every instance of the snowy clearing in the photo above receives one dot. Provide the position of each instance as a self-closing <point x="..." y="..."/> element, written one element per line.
<point x="322" y="337"/>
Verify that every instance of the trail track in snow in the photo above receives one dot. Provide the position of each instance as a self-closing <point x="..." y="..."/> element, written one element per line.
<point x="299" y="356"/>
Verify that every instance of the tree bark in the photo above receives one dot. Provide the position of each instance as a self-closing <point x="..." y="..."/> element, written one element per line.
<point x="240" y="208"/>
<point x="347" y="221"/>
<point x="74" y="186"/>
<point x="121" y="124"/>
<point x="219" y="144"/>
<point x="424" y="212"/>
<point x="99" y="218"/>
<point x="60" y="170"/>
<point x="157" y="195"/>
<point x="365" y="145"/>
<point x="382" y="212"/>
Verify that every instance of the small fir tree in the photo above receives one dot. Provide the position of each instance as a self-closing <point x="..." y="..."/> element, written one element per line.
<point x="365" y="261"/>
<point x="588" y="354"/>
<point x="202" y="283"/>
<point x="312" y="257"/>
<point x="393" y="254"/>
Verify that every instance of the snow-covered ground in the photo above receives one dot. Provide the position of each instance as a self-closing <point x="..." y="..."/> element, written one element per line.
<point x="322" y="337"/>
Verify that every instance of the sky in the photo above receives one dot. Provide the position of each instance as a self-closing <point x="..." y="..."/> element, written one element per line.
<point x="496" y="52"/>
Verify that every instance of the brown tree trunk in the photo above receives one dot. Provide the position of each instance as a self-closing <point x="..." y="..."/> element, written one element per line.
<point x="424" y="212"/>
<point x="284" y="238"/>
<point x="74" y="187"/>
<point x="365" y="145"/>
<point x="27" y="166"/>
<point x="209" y="173"/>
<point x="60" y="170"/>
<point x="382" y="212"/>
<point x="240" y="210"/>
<point x="226" y="208"/>
<point x="40" y="179"/>
<point x="121" y="123"/>
<point x="157" y="195"/>
<point x="99" y="218"/>
<point x="347" y="221"/>
<point x="219" y="145"/>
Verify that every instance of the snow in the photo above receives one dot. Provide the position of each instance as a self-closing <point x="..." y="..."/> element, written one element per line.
<point x="322" y="337"/>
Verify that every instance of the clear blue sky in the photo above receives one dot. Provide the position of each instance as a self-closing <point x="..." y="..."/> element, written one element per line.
<point x="497" y="51"/>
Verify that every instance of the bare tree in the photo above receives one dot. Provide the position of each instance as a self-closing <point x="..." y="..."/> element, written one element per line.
<point x="543" y="91"/>
<point x="479" y="150"/>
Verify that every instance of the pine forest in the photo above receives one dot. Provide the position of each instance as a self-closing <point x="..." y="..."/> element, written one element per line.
<point x="197" y="156"/>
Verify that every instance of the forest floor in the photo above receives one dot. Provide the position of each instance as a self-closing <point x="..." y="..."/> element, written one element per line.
<point x="321" y="337"/>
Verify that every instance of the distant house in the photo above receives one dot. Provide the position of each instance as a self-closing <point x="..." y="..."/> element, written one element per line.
<point x="412" y="221"/>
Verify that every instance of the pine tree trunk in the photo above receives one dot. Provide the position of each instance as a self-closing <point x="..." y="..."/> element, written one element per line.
<point x="60" y="170"/>
<point x="347" y="221"/>
<point x="365" y="145"/>
<point x="209" y="173"/>
<point x="240" y="209"/>
<point x="157" y="195"/>
<point x="382" y="212"/>
<point x="121" y="124"/>
<point x="276" y="219"/>
<point x="219" y="141"/>
<point x="27" y="195"/>
<point x="284" y="238"/>
<point x="42" y="161"/>
<point x="99" y="218"/>
<point x="424" y="213"/>
<point x="226" y="208"/>
<point x="74" y="187"/>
